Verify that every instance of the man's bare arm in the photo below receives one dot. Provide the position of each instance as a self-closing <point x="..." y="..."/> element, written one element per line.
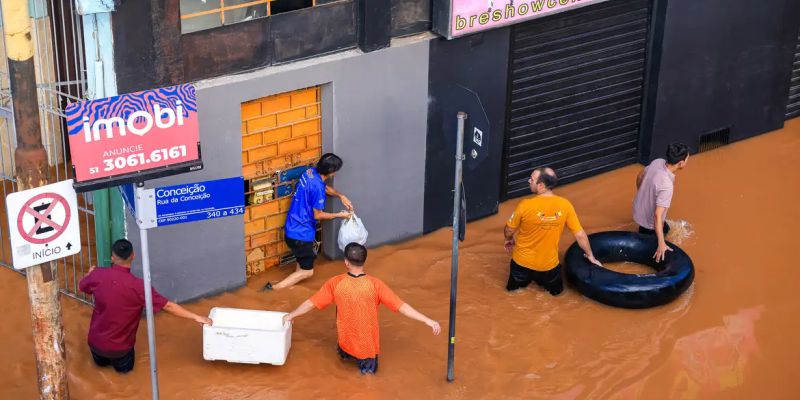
<point x="410" y="312"/>
<point x="179" y="311"/>
<point x="509" y="233"/>
<point x="583" y="241"/>
<point x="302" y="309"/>
<point x="320" y="215"/>
<point x="330" y="191"/>
<point x="662" y="249"/>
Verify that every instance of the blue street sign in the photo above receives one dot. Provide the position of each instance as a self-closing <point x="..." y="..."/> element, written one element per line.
<point x="199" y="201"/>
<point x="127" y="192"/>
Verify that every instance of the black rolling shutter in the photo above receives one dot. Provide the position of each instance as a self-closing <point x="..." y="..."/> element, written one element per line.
<point x="576" y="84"/>
<point x="793" y="107"/>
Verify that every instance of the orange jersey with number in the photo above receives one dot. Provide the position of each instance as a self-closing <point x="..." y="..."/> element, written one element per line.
<point x="357" y="300"/>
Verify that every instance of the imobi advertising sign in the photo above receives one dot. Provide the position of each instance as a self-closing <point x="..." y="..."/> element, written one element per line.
<point x="454" y="18"/>
<point x="134" y="137"/>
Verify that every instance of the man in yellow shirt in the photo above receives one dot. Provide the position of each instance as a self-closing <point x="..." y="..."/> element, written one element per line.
<point x="533" y="231"/>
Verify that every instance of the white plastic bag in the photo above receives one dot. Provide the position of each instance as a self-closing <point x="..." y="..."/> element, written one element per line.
<point x="352" y="230"/>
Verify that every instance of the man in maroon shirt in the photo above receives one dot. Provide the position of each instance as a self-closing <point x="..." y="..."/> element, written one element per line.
<point x="118" y="305"/>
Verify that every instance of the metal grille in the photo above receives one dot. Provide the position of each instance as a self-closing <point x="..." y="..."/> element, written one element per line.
<point x="793" y="106"/>
<point x="714" y="140"/>
<point x="61" y="79"/>
<point x="576" y="85"/>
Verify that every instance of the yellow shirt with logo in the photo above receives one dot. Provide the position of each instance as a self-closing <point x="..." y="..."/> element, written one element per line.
<point x="540" y="221"/>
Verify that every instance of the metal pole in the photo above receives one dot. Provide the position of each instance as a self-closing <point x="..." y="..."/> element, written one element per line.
<point x="32" y="170"/>
<point x="148" y="302"/>
<point x="451" y="346"/>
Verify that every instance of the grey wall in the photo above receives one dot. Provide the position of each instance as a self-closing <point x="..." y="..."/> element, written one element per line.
<point x="192" y="260"/>
<point x="374" y="117"/>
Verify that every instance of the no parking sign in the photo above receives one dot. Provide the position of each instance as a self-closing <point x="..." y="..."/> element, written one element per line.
<point x="43" y="224"/>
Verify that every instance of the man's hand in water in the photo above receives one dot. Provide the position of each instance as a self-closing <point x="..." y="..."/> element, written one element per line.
<point x="593" y="260"/>
<point x="661" y="252"/>
<point x="346" y="202"/>
<point x="509" y="245"/>
<point x="434" y="325"/>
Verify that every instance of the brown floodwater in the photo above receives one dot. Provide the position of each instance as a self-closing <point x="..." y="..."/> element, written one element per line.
<point x="629" y="268"/>
<point x="732" y="335"/>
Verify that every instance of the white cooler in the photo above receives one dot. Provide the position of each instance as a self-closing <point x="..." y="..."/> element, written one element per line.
<point x="247" y="336"/>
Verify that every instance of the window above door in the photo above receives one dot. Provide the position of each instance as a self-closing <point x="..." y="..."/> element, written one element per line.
<point x="198" y="15"/>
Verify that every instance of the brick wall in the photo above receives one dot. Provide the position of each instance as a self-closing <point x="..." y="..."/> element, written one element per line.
<point x="278" y="132"/>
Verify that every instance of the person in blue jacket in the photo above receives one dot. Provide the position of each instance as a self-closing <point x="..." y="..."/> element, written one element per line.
<point x="305" y="210"/>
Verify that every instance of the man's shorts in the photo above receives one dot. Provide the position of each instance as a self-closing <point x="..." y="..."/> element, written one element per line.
<point x="123" y="364"/>
<point x="303" y="252"/>
<point x="366" y="365"/>
<point x="520" y="277"/>
<point x="646" y="231"/>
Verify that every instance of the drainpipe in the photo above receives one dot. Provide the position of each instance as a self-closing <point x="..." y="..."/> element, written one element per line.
<point x="109" y="210"/>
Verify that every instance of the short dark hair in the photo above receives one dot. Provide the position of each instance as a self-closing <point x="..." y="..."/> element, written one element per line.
<point x="677" y="152"/>
<point x="356" y="254"/>
<point x="329" y="163"/>
<point x="548" y="177"/>
<point x="122" y="248"/>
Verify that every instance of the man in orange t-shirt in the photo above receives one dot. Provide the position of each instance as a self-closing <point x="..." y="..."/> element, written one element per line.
<point x="533" y="232"/>
<point x="357" y="297"/>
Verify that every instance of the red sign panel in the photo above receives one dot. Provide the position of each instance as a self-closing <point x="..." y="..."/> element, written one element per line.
<point x="134" y="136"/>
<point x="43" y="221"/>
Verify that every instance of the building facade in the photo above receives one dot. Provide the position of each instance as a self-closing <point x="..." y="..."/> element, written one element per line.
<point x="585" y="89"/>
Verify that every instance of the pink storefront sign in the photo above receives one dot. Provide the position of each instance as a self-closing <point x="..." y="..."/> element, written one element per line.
<point x="454" y="18"/>
<point x="134" y="137"/>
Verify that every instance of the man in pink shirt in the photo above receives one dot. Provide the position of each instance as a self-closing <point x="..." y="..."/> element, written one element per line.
<point x="118" y="305"/>
<point x="654" y="195"/>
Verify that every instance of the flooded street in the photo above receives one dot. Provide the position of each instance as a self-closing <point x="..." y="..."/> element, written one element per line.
<point x="732" y="335"/>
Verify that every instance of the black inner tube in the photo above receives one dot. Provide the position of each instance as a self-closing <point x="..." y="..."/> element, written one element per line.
<point x="671" y="277"/>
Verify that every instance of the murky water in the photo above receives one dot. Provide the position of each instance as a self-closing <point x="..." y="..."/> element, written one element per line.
<point x="629" y="268"/>
<point x="731" y="336"/>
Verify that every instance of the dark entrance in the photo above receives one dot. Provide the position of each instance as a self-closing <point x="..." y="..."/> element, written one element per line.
<point x="575" y="92"/>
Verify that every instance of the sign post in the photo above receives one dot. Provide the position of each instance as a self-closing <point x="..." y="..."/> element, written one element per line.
<point x="451" y="343"/>
<point x="131" y="138"/>
<point x="148" y="302"/>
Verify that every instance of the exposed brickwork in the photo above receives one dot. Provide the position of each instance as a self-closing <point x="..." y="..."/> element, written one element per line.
<point x="278" y="132"/>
